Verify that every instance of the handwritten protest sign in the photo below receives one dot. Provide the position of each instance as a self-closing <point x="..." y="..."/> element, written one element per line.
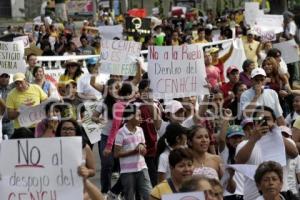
<point x="265" y="34"/>
<point x="43" y="168"/>
<point x="289" y="51"/>
<point x="119" y="57"/>
<point x="267" y="144"/>
<point x="25" y="39"/>
<point x="109" y="32"/>
<point x="176" y="71"/>
<point x="252" y="12"/>
<point x="184" y="196"/>
<point x="32" y="115"/>
<point x="11" y="57"/>
<point x="270" y="22"/>
<point x="92" y="129"/>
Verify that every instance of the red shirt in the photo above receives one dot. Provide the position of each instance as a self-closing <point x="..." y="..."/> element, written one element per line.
<point x="226" y="87"/>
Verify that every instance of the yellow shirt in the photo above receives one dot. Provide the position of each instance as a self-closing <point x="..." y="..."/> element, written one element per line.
<point x="33" y="96"/>
<point x="66" y="78"/>
<point x="161" y="189"/>
<point x="251" y="49"/>
<point x="297" y="123"/>
<point x="200" y="41"/>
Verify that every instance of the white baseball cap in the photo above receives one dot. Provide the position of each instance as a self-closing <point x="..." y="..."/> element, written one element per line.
<point x="173" y="106"/>
<point x="286" y="130"/>
<point x="258" y="71"/>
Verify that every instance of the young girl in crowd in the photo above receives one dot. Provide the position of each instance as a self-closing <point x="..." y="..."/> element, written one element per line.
<point x="295" y="113"/>
<point x="206" y="164"/>
<point x="69" y="128"/>
<point x="104" y="111"/>
<point x="174" y="137"/>
<point x="130" y="149"/>
<point x="47" y="127"/>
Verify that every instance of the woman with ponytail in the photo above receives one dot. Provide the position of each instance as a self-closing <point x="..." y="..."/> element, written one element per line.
<point x="174" y="137"/>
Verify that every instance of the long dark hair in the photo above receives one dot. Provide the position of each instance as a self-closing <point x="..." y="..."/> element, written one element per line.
<point x="169" y="139"/>
<point x="109" y="99"/>
<point x="77" y="73"/>
<point x="78" y="130"/>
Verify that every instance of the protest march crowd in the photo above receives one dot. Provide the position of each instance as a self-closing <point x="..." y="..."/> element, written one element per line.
<point x="212" y="109"/>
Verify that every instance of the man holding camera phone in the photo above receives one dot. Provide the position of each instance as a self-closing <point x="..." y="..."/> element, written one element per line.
<point x="251" y="150"/>
<point x="257" y="95"/>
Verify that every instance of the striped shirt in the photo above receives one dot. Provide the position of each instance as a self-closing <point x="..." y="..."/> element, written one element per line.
<point x="129" y="141"/>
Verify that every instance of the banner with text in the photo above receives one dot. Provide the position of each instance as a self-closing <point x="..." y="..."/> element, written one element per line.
<point x="109" y="32"/>
<point x="93" y="130"/>
<point x="118" y="57"/>
<point x="176" y="71"/>
<point x="32" y="115"/>
<point x="12" y="57"/>
<point x="43" y="168"/>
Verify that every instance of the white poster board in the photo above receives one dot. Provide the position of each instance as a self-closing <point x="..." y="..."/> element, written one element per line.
<point x="109" y="32"/>
<point x="289" y="51"/>
<point x="267" y="144"/>
<point x="32" y="115"/>
<point x="92" y="129"/>
<point x="11" y="57"/>
<point x="184" y="196"/>
<point x="270" y="22"/>
<point x="176" y="71"/>
<point x="25" y="39"/>
<point x="119" y="57"/>
<point x="252" y="12"/>
<point x="45" y="168"/>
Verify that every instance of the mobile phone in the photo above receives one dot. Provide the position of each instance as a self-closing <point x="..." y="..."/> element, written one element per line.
<point x="261" y="121"/>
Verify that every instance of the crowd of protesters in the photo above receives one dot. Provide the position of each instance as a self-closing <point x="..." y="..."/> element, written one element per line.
<point x="155" y="147"/>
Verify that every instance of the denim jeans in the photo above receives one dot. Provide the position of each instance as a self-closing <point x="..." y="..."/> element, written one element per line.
<point x="107" y="163"/>
<point x="136" y="182"/>
<point x="152" y="169"/>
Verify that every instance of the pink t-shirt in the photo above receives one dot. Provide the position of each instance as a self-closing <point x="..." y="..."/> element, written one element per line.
<point x="118" y="110"/>
<point x="213" y="75"/>
<point x="128" y="141"/>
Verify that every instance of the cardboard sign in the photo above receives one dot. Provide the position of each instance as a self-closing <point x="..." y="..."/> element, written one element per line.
<point x="92" y="129"/>
<point x="119" y="57"/>
<point x="31" y="115"/>
<point x="184" y="196"/>
<point x="265" y="34"/>
<point x="176" y="71"/>
<point x="252" y="12"/>
<point x="43" y="168"/>
<point x="270" y="22"/>
<point x="11" y="57"/>
<point x="136" y="25"/>
<point x="25" y="40"/>
<point x="109" y="32"/>
<point x="289" y="51"/>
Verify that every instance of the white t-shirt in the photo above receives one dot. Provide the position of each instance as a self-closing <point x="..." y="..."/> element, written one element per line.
<point x="108" y="122"/>
<point x="250" y="189"/>
<point x="289" y="119"/>
<point x="289" y="173"/>
<point x="283" y="69"/>
<point x="291" y="28"/>
<point x="189" y="122"/>
<point x="83" y="86"/>
<point x="163" y="163"/>
<point x="238" y="177"/>
<point x="129" y="141"/>
<point x="162" y="128"/>
<point x="268" y="98"/>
